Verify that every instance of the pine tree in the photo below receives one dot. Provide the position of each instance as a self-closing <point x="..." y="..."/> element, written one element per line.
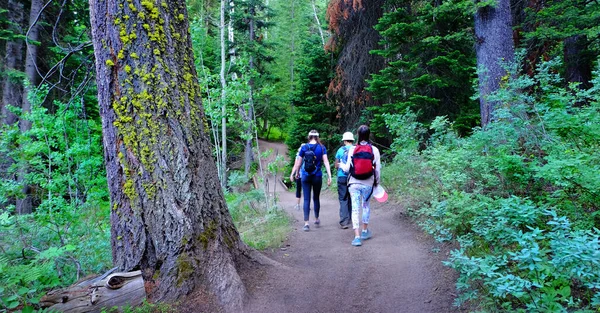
<point x="429" y="60"/>
<point x="169" y="217"/>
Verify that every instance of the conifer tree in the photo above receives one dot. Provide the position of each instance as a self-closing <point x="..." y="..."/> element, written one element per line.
<point x="169" y="217"/>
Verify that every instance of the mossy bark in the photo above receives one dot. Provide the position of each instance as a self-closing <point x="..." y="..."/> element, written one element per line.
<point x="169" y="217"/>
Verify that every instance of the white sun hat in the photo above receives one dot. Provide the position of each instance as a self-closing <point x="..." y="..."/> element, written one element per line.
<point x="347" y="136"/>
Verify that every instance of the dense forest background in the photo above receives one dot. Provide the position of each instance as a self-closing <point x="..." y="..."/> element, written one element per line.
<point x="487" y="113"/>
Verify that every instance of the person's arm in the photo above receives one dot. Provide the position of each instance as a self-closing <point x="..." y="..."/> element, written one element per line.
<point x="346" y="166"/>
<point x="326" y="162"/>
<point x="296" y="169"/>
<point x="377" y="157"/>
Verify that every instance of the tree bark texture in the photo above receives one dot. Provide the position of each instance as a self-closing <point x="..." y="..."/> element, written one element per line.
<point x="494" y="46"/>
<point x="169" y="218"/>
<point x="578" y="64"/>
<point x="13" y="61"/>
<point x="353" y="36"/>
<point x="25" y="204"/>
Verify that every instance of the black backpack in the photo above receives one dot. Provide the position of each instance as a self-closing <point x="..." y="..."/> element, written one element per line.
<point x="310" y="161"/>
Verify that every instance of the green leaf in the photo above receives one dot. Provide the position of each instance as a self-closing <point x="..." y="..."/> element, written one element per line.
<point x="12" y="304"/>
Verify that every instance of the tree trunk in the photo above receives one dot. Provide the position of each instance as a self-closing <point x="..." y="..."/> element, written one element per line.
<point x="353" y="35"/>
<point x="13" y="92"/>
<point x="25" y="206"/>
<point x="578" y="67"/>
<point x="494" y="46"/>
<point x="169" y="218"/>
<point x="292" y="48"/>
<point x="314" y="7"/>
<point x="249" y="114"/>
<point x="223" y="100"/>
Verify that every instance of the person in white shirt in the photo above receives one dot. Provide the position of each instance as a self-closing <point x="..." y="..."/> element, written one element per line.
<point x="364" y="166"/>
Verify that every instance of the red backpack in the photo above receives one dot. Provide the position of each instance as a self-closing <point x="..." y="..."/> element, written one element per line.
<point x="362" y="162"/>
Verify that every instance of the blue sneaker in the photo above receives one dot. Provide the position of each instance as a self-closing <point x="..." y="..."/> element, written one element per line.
<point x="306" y="228"/>
<point x="356" y="242"/>
<point x="364" y="235"/>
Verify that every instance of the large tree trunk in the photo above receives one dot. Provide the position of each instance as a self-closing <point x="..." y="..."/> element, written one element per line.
<point x="353" y="35"/>
<point x="25" y="205"/>
<point x="12" y="89"/>
<point x="494" y="46"/>
<point x="168" y="216"/>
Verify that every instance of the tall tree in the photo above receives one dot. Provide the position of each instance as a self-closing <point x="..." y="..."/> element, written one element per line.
<point x="223" y="170"/>
<point x="168" y="216"/>
<point x="251" y="20"/>
<point x="565" y="28"/>
<point x="428" y="49"/>
<point x="494" y="45"/>
<point x="353" y="36"/>
<point x="13" y="61"/>
<point x="25" y="205"/>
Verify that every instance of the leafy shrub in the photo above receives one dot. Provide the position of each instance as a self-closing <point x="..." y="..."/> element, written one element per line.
<point x="520" y="197"/>
<point x="67" y="235"/>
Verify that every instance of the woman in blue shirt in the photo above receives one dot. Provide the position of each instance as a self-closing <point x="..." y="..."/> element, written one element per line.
<point x="312" y="156"/>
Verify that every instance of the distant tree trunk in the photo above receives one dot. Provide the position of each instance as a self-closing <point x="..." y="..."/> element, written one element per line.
<point x="578" y="67"/>
<point x="314" y="7"/>
<point x="292" y="49"/>
<point x="223" y="98"/>
<point x="24" y="205"/>
<point x="12" y="90"/>
<point x="168" y="215"/>
<point x="249" y="112"/>
<point x="494" y="45"/>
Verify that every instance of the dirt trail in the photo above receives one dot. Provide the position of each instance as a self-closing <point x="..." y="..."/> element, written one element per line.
<point x="320" y="271"/>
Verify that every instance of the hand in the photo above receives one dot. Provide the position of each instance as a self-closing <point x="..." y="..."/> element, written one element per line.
<point x="292" y="177"/>
<point x="328" y="181"/>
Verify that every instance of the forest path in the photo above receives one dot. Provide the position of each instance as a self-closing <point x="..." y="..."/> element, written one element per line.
<point x="395" y="271"/>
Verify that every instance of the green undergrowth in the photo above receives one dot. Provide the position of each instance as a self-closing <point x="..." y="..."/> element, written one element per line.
<point x="68" y="234"/>
<point x="145" y="308"/>
<point x="261" y="222"/>
<point x="520" y="198"/>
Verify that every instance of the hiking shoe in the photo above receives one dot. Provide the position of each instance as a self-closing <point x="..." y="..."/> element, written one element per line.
<point x="356" y="242"/>
<point x="306" y="228"/>
<point x="364" y="235"/>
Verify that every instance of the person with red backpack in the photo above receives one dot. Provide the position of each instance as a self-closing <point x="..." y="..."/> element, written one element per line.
<point x="312" y="156"/>
<point x="364" y="166"/>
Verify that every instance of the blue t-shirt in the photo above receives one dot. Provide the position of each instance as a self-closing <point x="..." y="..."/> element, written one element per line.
<point x="319" y="151"/>
<point x="342" y="157"/>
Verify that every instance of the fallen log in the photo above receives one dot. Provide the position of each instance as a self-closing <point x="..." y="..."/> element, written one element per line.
<point x="93" y="295"/>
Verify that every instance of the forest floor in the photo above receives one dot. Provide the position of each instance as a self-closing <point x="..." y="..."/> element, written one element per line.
<point x="320" y="271"/>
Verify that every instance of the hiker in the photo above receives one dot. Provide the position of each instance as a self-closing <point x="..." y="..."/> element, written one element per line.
<point x="364" y="167"/>
<point x="341" y="156"/>
<point x="313" y="155"/>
